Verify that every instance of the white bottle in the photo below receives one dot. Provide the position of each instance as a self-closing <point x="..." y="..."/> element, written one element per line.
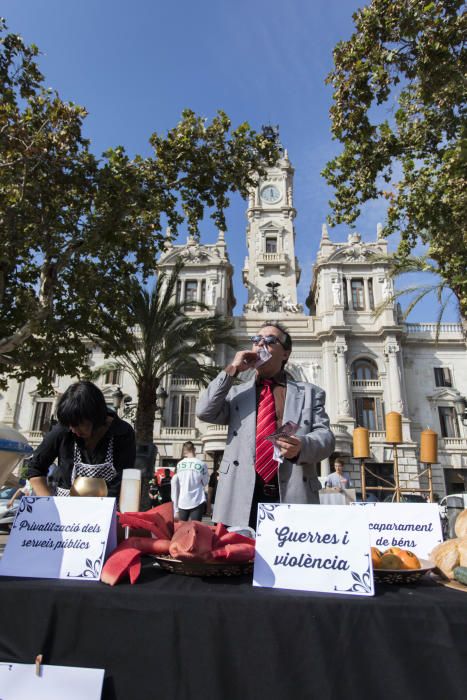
<point x="130" y="491"/>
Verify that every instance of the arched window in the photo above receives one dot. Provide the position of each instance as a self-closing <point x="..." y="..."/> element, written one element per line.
<point x="364" y="369"/>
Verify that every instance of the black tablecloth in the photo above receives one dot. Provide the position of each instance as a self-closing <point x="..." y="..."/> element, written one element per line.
<point x="177" y="638"/>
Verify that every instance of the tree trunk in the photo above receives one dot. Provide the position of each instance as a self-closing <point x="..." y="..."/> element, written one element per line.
<point x="145" y="412"/>
<point x="144" y="429"/>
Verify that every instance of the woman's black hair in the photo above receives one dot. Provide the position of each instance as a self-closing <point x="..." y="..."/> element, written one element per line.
<point x="82" y="401"/>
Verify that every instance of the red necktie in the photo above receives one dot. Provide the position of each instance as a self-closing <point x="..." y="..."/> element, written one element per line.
<point x="265" y="465"/>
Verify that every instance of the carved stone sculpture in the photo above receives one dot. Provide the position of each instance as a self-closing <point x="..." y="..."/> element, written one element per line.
<point x="336" y="292"/>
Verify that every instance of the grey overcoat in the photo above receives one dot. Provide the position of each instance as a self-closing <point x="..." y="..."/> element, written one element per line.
<point x="235" y="406"/>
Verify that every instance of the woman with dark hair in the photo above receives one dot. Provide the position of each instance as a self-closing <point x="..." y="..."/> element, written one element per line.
<point x="88" y="440"/>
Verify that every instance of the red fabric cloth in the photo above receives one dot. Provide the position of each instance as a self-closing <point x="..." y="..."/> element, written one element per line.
<point x="265" y="465"/>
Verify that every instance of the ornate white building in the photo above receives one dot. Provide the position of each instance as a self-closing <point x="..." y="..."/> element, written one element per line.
<point x="368" y="365"/>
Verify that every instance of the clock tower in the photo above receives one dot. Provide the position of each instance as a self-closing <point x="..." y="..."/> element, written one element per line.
<point x="271" y="271"/>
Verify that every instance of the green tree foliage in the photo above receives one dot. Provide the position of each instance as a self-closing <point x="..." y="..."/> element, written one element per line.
<point x="152" y="336"/>
<point x="74" y="228"/>
<point x="399" y="111"/>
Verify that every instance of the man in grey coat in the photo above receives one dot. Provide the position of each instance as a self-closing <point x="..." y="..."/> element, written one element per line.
<point x="240" y="488"/>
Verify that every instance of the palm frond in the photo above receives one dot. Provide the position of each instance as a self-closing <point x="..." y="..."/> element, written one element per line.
<point x="399" y="265"/>
<point x="155" y="336"/>
<point x="102" y="369"/>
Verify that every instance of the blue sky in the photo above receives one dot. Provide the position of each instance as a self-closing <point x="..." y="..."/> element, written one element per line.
<point x="136" y="65"/>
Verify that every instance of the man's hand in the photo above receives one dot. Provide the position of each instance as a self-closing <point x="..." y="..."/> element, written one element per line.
<point x="245" y="359"/>
<point x="290" y="446"/>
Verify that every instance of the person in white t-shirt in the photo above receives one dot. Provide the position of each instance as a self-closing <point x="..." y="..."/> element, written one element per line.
<point x="188" y="484"/>
<point x="338" y="479"/>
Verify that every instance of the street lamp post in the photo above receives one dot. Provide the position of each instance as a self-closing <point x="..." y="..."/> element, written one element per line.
<point x="124" y="406"/>
<point x="162" y="397"/>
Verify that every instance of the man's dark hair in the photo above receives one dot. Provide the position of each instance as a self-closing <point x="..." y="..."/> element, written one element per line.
<point x="188" y="445"/>
<point x="287" y="342"/>
<point x="339" y="460"/>
<point x="82" y="401"/>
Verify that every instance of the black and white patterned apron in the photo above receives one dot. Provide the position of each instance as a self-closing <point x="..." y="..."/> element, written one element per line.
<point x="106" y="470"/>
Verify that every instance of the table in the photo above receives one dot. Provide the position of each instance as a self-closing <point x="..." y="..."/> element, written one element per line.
<point x="177" y="638"/>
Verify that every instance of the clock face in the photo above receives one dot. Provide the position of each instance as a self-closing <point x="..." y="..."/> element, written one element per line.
<point x="270" y="194"/>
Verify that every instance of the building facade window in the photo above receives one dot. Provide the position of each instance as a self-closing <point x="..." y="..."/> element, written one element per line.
<point x="191" y="291"/>
<point x="203" y="292"/>
<point x="358" y="301"/>
<point x="369" y="412"/>
<point x="443" y="376"/>
<point x="364" y="369"/>
<point x="113" y="376"/>
<point x="271" y="244"/>
<point x="182" y="411"/>
<point x="42" y="416"/>
<point x="448" y="421"/>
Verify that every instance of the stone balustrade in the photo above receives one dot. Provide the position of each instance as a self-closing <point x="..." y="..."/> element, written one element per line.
<point x="377" y="435"/>
<point x="366" y="384"/>
<point x="453" y="443"/>
<point x="179" y="433"/>
<point x="433" y="329"/>
<point x="183" y="381"/>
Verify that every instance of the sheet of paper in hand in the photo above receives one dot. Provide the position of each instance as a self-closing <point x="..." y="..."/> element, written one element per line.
<point x="313" y="548"/>
<point x="287" y="430"/>
<point x="21" y="682"/>
<point x="60" y="538"/>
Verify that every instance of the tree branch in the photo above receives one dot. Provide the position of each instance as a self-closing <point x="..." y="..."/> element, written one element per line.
<point x="47" y="283"/>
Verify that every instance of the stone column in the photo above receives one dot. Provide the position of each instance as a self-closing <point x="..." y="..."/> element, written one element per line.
<point x="394" y="382"/>
<point x="349" y="292"/>
<point x="342" y="383"/>
<point x="366" y="293"/>
<point x="325" y="467"/>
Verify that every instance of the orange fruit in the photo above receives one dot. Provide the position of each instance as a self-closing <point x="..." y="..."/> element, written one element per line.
<point x="390" y="561"/>
<point x="409" y="559"/>
<point x="376" y="557"/>
<point x="393" y="550"/>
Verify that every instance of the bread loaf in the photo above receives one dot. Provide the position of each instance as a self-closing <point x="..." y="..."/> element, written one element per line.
<point x="446" y="557"/>
<point x="462" y="547"/>
<point x="460" y="526"/>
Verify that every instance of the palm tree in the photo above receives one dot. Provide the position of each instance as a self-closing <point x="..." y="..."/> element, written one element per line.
<point x="399" y="265"/>
<point x="154" y="337"/>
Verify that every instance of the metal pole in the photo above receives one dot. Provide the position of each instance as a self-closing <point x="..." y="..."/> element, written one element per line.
<point x="430" y="482"/>
<point x="396" y="474"/>
<point x="362" y="478"/>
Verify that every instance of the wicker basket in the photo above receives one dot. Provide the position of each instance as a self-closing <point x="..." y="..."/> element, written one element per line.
<point x="204" y="568"/>
<point x="399" y="576"/>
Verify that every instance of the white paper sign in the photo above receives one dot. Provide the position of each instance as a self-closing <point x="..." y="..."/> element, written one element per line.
<point x="60" y="538"/>
<point x="20" y="682"/>
<point x="313" y="548"/>
<point x="414" y="526"/>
